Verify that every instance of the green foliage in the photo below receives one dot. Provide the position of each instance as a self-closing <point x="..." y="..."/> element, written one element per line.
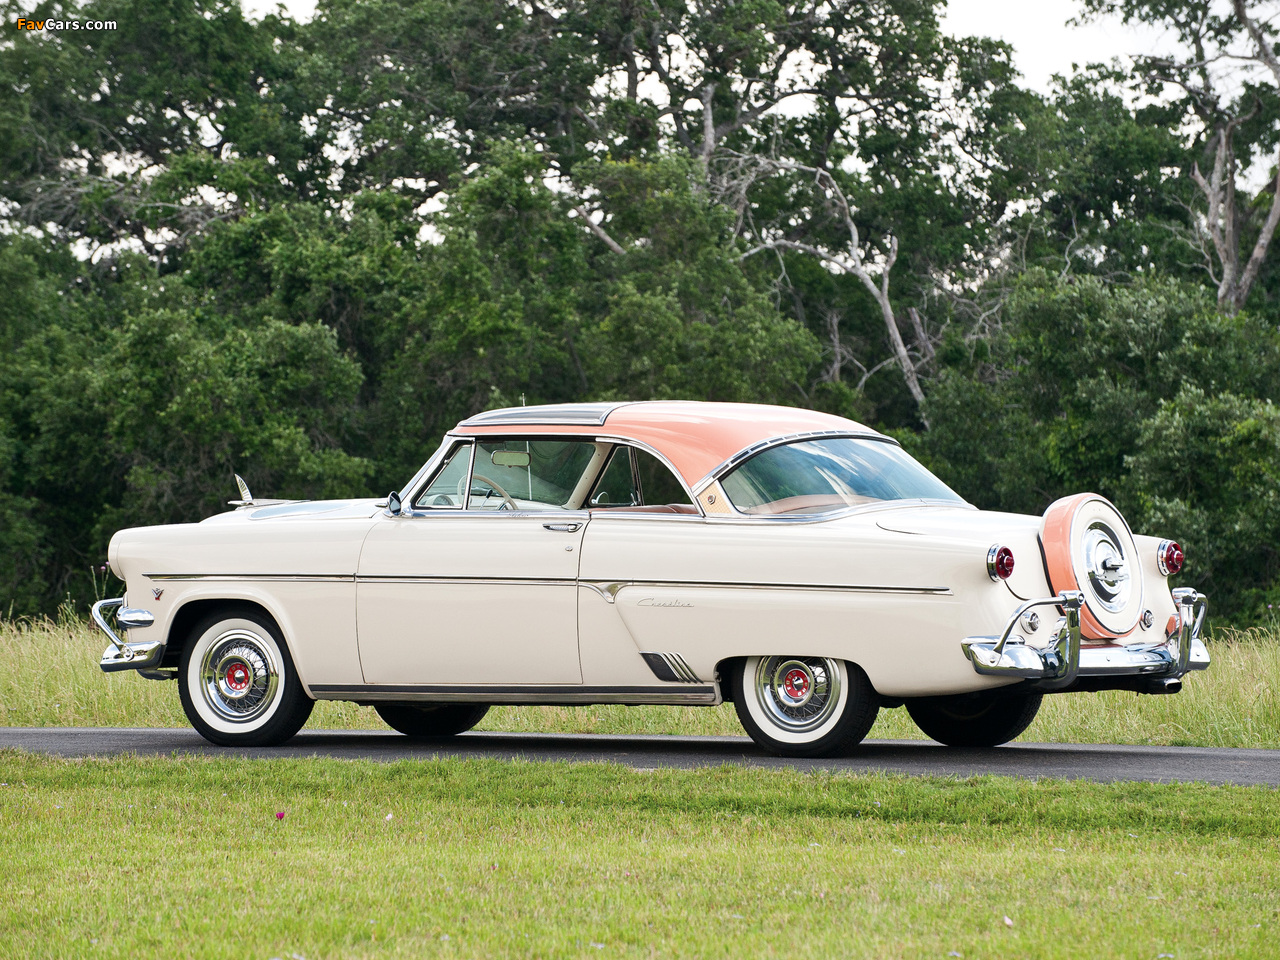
<point x="303" y="251"/>
<point x="1208" y="467"/>
<point x="1135" y="392"/>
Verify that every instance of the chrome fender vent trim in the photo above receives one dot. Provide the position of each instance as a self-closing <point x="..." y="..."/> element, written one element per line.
<point x="670" y="667"/>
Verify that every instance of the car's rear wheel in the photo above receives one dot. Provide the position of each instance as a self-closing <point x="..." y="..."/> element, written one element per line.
<point x="804" y="706"/>
<point x="985" y="719"/>
<point x="427" y="721"/>
<point x="238" y="684"/>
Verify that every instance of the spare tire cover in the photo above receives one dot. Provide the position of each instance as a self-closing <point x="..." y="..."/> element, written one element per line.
<point x="1088" y="547"/>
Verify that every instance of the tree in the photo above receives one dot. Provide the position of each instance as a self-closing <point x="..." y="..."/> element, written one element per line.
<point x="1228" y="89"/>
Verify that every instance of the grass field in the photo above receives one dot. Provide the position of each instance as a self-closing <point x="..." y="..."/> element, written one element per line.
<point x="201" y="857"/>
<point x="51" y="677"/>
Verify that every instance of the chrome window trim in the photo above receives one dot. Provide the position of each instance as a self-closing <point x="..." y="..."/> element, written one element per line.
<point x="571" y="414"/>
<point x="471" y="472"/>
<point x="428" y="469"/>
<point x="640" y="445"/>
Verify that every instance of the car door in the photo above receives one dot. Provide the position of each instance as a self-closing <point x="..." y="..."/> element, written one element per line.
<point x="477" y="583"/>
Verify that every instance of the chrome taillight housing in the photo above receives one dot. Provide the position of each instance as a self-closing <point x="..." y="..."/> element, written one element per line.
<point x="999" y="563"/>
<point x="1169" y="557"/>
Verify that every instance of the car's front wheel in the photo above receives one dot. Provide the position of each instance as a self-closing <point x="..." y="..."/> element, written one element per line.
<point x="429" y="721"/>
<point x="238" y="684"/>
<point x="985" y="719"/>
<point x="804" y="706"/>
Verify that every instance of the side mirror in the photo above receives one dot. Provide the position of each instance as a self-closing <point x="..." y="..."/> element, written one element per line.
<point x="394" y="504"/>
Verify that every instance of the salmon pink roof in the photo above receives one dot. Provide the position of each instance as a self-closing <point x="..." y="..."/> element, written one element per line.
<point x="695" y="437"/>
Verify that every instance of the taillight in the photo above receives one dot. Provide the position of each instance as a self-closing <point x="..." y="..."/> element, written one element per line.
<point x="1169" y="557"/>
<point x="999" y="563"/>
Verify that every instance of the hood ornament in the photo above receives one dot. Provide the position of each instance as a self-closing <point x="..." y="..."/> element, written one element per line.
<point x="246" y="498"/>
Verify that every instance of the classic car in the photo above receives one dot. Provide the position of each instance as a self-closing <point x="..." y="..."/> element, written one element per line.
<point x="798" y="564"/>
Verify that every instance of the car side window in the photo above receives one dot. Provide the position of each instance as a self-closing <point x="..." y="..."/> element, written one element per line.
<point x="527" y="474"/>
<point x="658" y="485"/>
<point x="449" y="487"/>
<point x="616" y="486"/>
<point x="638" y="479"/>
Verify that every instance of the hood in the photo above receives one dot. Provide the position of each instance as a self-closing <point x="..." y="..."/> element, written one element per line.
<point x="303" y="509"/>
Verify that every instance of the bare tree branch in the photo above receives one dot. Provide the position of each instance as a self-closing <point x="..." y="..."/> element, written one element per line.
<point x="599" y="231"/>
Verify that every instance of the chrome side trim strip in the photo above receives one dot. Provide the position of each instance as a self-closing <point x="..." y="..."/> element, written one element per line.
<point x="511" y="693"/>
<point x="483" y="581"/>
<point x="308" y="577"/>
<point x="608" y="589"/>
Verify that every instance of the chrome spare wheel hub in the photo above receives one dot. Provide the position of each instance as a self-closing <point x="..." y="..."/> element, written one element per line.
<point x="238" y="676"/>
<point x="1106" y="567"/>
<point x="798" y="693"/>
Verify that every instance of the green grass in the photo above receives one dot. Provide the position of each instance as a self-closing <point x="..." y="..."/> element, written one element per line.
<point x="177" y="857"/>
<point x="51" y="678"/>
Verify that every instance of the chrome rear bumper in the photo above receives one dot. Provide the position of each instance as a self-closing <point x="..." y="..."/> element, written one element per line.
<point x="120" y="655"/>
<point x="1063" y="660"/>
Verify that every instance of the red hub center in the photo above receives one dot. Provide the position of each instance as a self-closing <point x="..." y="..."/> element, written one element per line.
<point x="796" y="683"/>
<point x="238" y="677"/>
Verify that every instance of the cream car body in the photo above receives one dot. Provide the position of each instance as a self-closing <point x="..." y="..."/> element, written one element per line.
<point x="461" y="590"/>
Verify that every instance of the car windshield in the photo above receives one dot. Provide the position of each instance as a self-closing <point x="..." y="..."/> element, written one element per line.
<point x="820" y="476"/>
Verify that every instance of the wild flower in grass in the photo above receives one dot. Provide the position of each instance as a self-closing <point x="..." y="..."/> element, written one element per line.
<point x="1008" y="922"/>
<point x="279" y="814"/>
<point x="389" y="816"/>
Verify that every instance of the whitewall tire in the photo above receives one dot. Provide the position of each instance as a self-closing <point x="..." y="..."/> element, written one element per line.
<point x="800" y="706"/>
<point x="238" y="684"/>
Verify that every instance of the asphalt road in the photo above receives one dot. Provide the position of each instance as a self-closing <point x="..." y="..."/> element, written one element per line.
<point x="1102" y="762"/>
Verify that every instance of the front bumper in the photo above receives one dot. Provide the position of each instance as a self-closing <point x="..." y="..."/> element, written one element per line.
<point x="141" y="655"/>
<point x="1063" y="661"/>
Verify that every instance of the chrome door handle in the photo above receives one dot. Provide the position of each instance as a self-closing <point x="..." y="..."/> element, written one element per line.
<point x="562" y="527"/>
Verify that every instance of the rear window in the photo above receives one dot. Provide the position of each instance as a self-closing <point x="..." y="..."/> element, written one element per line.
<point x="821" y="476"/>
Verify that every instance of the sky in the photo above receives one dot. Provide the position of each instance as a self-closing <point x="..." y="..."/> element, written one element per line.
<point x="1043" y="44"/>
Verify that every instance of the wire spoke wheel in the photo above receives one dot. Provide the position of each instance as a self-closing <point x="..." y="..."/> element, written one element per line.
<point x="804" y="706"/>
<point x="800" y="694"/>
<point x="237" y="681"/>
<point x="239" y="674"/>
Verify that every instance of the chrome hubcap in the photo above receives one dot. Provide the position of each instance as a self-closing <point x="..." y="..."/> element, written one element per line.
<point x="797" y="693"/>
<point x="1106" y="567"/>
<point x="238" y="676"/>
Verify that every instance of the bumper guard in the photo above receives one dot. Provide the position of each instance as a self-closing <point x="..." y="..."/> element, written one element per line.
<point x="142" y="655"/>
<point x="1063" y="660"/>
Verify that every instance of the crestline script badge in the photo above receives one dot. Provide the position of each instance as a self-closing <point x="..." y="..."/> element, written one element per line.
<point x="651" y="602"/>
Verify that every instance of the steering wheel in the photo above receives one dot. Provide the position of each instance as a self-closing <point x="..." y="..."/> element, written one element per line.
<point x="506" y="497"/>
